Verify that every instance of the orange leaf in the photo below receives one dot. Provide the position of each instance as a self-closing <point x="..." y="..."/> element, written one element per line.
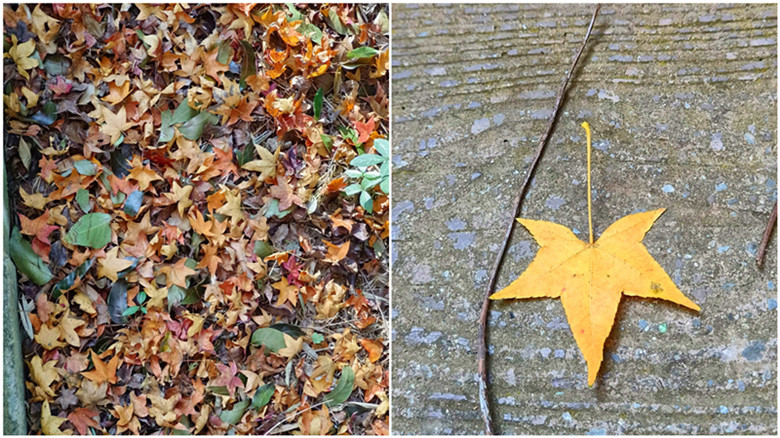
<point x="373" y="347"/>
<point x="117" y="93"/>
<point x="364" y="130"/>
<point x="336" y="253"/>
<point x="103" y="372"/>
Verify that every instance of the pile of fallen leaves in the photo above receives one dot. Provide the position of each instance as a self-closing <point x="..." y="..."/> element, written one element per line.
<point x="200" y="216"/>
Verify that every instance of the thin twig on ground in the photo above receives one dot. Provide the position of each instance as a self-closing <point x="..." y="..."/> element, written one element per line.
<point x="767" y="234"/>
<point x="518" y="201"/>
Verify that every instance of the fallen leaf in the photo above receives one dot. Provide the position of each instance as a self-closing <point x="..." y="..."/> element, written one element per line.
<point x="112" y="264"/>
<point x="287" y="292"/>
<point x="50" y="424"/>
<point x="266" y="165"/>
<point x="285" y="194"/>
<point x="374" y="349"/>
<point x="336" y="253"/>
<point x="103" y="372"/>
<point x="180" y="195"/>
<point x="44" y="374"/>
<point x="591" y="278"/>
<point x="114" y="123"/>
<point x="82" y="418"/>
<point x="21" y="55"/>
<point x="232" y="207"/>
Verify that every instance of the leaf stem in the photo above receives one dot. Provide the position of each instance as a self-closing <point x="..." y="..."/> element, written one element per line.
<point x="590" y="214"/>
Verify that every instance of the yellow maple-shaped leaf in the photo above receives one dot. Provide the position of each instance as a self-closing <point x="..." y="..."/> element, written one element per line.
<point x="266" y="165"/>
<point x="287" y="292"/>
<point x="143" y="174"/>
<point x="156" y="295"/>
<point x="233" y="207"/>
<point x="591" y="278"/>
<point x="292" y="346"/>
<point x="50" y="424"/>
<point x="68" y="326"/>
<point x="44" y="374"/>
<point x="117" y="93"/>
<point x="20" y="53"/>
<point x="180" y="195"/>
<point x="112" y="264"/>
<point x="114" y="123"/>
<point x="34" y="200"/>
<point x="49" y="337"/>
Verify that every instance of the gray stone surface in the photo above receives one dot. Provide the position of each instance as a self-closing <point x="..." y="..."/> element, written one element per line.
<point x="14" y="417"/>
<point x="682" y="102"/>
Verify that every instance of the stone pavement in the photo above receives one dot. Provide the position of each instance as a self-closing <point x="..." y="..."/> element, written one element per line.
<point x="682" y="102"/>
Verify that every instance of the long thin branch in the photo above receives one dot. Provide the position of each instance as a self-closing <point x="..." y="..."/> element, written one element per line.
<point x="518" y="201"/>
<point x="767" y="234"/>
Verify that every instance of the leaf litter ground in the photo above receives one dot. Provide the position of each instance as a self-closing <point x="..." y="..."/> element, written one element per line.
<point x="190" y="259"/>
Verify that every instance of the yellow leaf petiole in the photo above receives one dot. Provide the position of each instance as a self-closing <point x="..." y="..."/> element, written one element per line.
<point x="590" y="216"/>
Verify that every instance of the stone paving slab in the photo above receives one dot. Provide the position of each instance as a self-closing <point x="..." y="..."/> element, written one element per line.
<point x="682" y="102"/>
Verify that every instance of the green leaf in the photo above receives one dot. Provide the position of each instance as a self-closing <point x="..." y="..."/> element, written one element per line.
<point x="27" y="261"/>
<point x="130" y="310"/>
<point x="366" y="160"/>
<point x="317" y="338"/>
<point x="263" y="249"/>
<point x="245" y="155"/>
<point x="117" y="302"/>
<point x="193" y="128"/>
<point x="192" y="297"/>
<point x="141" y="297"/>
<point x="292" y="330"/>
<point x="353" y="173"/>
<point x="219" y="390"/>
<point x="133" y="203"/>
<point x="327" y="141"/>
<point x="166" y="127"/>
<point x="47" y="114"/>
<point x="183" y="113"/>
<point x="382" y="146"/>
<point x="335" y="22"/>
<point x="292" y="13"/>
<point x="249" y="62"/>
<point x="92" y="230"/>
<point x="366" y="202"/>
<point x="57" y="65"/>
<point x="175" y="296"/>
<point x="67" y="282"/>
<point x="85" y="167"/>
<point x="343" y="388"/>
<point x="225" y="53"/>
<point x="353" y="189"/>
<point x="82" y="198"/>
<point x="362" y="52"/>
<point x="234" y="415"/>
<point x="318" y="104"/>
<point x="120" y="160"/>
<point x="271" y="338"/>
<point x="263" y="396"/>
<point x="385" y="186"/>
<point x="369" y="181"/>
<point x="272" y="209"/>
<point x="313" y="32"/>
<point x="349" y="134"/>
